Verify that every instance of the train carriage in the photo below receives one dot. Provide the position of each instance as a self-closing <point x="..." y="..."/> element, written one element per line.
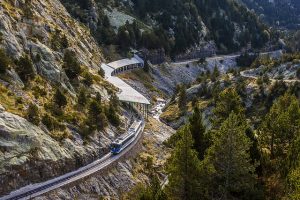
<point x="122" y="142"/>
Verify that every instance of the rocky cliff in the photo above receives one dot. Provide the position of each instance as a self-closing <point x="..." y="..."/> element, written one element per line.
<point x="36" y="27"/>
<point x="43" y="31"/>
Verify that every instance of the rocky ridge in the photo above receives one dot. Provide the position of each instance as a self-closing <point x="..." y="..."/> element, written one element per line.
<point x="32" y="28"/>
<point x="28" y="153"/>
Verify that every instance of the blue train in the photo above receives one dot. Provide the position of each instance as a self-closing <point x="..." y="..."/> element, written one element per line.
<point x="122" y="142"/>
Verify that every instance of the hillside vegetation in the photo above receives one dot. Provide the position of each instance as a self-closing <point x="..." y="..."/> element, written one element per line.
<point x="53" y="100"/>
<point x="279" y="13"/>
<point x="174" y="25"/>
<point x="243" y="144"/>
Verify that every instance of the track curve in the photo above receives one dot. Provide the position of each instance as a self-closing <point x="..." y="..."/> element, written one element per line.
<point x="45" y="187"/>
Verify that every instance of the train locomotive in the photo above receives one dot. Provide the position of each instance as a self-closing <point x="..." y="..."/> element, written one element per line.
<point x="123" y="141"/>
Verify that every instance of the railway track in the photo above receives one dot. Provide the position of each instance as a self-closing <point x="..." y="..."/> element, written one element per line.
<point x="36" y="190"/>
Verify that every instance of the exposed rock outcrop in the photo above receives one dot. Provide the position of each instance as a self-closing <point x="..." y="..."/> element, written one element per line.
<point x="28" y="154"/>
<point x="36" y="33"/>
<point x="44" y="30"/>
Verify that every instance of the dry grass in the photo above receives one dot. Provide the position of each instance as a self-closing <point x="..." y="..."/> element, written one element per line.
<point x="143" y="77"/>
<point x="171" y="114"/>
<point x="10" y="102"/>
<point x="11" y="10"/>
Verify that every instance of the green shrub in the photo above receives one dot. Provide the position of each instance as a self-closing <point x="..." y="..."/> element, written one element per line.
<point x="113" y="116"/>
<point x="33" y="114"/>
<point x="39" y="91"/>
<point x="25" y="68"/>
<point x="71" y="65"/>
<point x="82" y="97"/>
<point x="88" y="79"/>
<point x="52" y="124"/>
<point x="19" y="100"/>
<point x="59" y="41"/>
<point x="27" y="9"/>
<point x="56" y="110"/>
<point x="37" y="58"/>
<point x="4" y="61"/>
<point x="246" y="60"/>
<point x="96" y="117"/>
<point x="182" y="99"/>
<point x="60" y="99"/>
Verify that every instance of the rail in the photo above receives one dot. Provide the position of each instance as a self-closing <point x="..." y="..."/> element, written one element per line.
<point x="45" y="187"/>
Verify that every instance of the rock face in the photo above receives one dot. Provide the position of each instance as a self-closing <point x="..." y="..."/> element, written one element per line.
<point x="36" y="34"/>
<point x="167" y="76"/>
<point x="28" y="154"/>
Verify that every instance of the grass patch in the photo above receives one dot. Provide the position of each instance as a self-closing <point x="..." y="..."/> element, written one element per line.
<point x="143" y="77"/>
<point x="171" y="114"/>
<point x="10" y="102"/>
<point x="202" y="104"/>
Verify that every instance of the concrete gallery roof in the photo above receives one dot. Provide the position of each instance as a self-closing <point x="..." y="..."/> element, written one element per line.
<point x="124" y="62"/>
<point x="127" y="93"/>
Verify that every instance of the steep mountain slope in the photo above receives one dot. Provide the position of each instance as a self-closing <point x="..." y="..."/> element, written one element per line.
<point x="37" y="27"/>
<point x="49" y="66"/>
<point x="174" y="25"/>
<point x="279" y="13"/>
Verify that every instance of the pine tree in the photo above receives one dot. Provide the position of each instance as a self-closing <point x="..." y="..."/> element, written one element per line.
<point x="292" y="160"/>
<point x="82" y="97"/>
<point x="64" y="42"/>
<point x="233" y="176"/>
<point x="60" y="99"/>
<point x="33" y="114"/>
<point x="197" y="129"/>
<point x="182" y="168"/>
<point x="112" y="115"/>
<point x="25" y="68"/>
<point x="215" y="74"/>
<point x="228" y="101"/>
<point x="98" y="97"/>
<point x="182" y="99"/>
<point x="293" y="185"/>
<point x="151" y="192"/>
<point x="281" y="126"/>
<point x="96" y="117"/>
<point x="114" y="101"/>
<point x="298" y="73"/>
<point x="71" y="65"/>
<point x="4" y="62"/>
<point x="124" y="39"/>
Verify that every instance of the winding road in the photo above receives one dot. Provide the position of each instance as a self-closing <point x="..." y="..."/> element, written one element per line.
<point x="245" y="75"/>
<point x="36" y="190"/>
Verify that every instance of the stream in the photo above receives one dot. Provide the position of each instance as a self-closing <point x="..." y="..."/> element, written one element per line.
<point x="157" y="110"/>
